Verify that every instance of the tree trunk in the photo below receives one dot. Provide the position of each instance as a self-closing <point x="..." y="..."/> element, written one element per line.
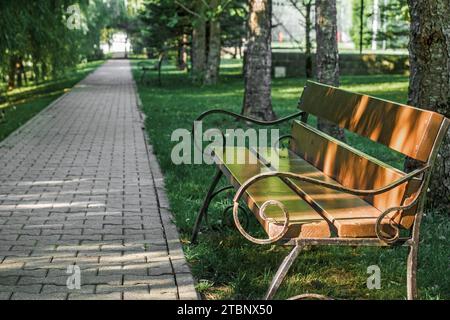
<point x="258" y="62"/>
<point x="327" y="56"/>
<point x="375" y="24"/>
<point x="159" y="66"/>
<point x="308" y="43"/>
<point x="126" y="45"/>
<point x="20" y="72"/>
<point x="213" y="61"/>
<point x="429" y="86"/>
<point x="12" y="72"/>
<point x="36" y="72"/>
<point x="44" y="70"/>
<point x="199" y="48"/>
<point x="384" y="24"/>
<point x="240" y="49"/>
<point x="182" y="53"/>
<point x="361" y="27"/>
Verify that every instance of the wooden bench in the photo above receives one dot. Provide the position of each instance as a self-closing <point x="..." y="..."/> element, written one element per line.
<point x="145" y="67"/>
<point x="323" y="191"/>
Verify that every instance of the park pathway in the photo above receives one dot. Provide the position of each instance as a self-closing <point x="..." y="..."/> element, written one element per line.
<point x="83" y="213"/>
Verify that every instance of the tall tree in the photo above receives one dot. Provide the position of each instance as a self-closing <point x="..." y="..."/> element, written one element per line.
<point x="360" y="32"/>
<point x="327" y="57"/>
<point x="182" y="53"/>
<point x="429" y="86"/>
<point x="165" y="27"/>
<point x="258" y="62"/>
<point x="304" y="7"/>
<point x="198" y="52"/>
<point x="214" y="43"/>
<point x="375" y="24"/>
<point x="233" y="25"/>
<point x="51" y="35"/>
<point x="395" y="24"/>
<point x="206" y="37"/>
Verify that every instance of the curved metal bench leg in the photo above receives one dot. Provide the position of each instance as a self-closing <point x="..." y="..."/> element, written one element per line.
<point x="205" y="205"/>
<point x="411" y="274"/>
<point x="282" y="272"/>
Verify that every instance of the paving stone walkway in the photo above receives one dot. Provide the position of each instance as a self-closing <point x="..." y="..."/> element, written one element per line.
<point x="83" y="213"/>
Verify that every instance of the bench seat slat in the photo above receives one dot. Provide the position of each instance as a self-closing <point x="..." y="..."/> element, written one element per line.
<point x="305" y="221"/>
<point x="314" y="211"/>
<point x="351" y="215"/>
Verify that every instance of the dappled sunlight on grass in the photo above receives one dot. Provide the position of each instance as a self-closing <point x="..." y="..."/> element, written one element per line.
<point x="24" y="103"/>
<point x="48" y="87"/>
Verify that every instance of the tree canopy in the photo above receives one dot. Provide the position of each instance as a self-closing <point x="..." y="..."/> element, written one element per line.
<point x="51" y="36"/>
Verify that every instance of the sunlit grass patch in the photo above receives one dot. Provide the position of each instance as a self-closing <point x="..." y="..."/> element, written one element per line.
<point x="24" y="103"/>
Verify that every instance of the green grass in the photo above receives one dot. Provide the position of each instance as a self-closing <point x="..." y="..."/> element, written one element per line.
<point x="228" y="266"/>
<point x="24" y="103"/>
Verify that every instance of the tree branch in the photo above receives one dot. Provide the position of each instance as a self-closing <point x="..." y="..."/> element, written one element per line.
<point x="296" y="6"/>
<point x="188" y="10"/>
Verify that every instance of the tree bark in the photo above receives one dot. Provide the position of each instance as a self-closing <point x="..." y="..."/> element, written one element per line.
<point x="375" y="24"/>
<point x="258" y="62"/>
<point x="20" y="72"/>
<point x="182" y="53"/>
<point x="429" y="86"/>
<point x="361" y="27"/>
<point x="44" y="70"/>
<point x="159" y="66"/>
<point x="327" y="56"/>
<point x="12" y="72"/>
<point x="199" y="47"/>
<point x="36" y="71"/>
<point x="214" y="48"/>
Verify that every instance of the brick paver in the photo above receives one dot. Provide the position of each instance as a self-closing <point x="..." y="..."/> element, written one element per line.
<point x="79" y="186"/>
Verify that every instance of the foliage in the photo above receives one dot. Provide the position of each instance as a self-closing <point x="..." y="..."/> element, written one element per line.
<point x="234" y="24"/>
<point x="23" y="104"/>
<point x="396" y="16"/>
<point x="356" y="27"/>
<point x="165" y="23"/>
<point x="394" y="19"/>
<point x="37" y="31"/>
<point x="39" y="35"/>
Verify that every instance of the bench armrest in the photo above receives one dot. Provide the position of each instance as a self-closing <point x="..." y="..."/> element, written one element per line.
<point x="379" y="231"/>
<point x="358" y="192"/>
<point x="248" y="119"/>
<point x="241" y="117"/>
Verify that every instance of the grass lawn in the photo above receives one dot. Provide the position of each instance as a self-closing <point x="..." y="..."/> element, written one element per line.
<point x="24" y="103"/>
<point x="227" y="265"/>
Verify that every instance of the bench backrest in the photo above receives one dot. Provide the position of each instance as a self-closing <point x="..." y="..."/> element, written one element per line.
<point x="403" y="128"/>
<point x="406" y="129"/>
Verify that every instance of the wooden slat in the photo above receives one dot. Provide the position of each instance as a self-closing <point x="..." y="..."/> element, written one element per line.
<point x="403" y="128"/>
<point x="352" y="168"/>
<point x="351" y="215"/>
<point x="305" y="221"/>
